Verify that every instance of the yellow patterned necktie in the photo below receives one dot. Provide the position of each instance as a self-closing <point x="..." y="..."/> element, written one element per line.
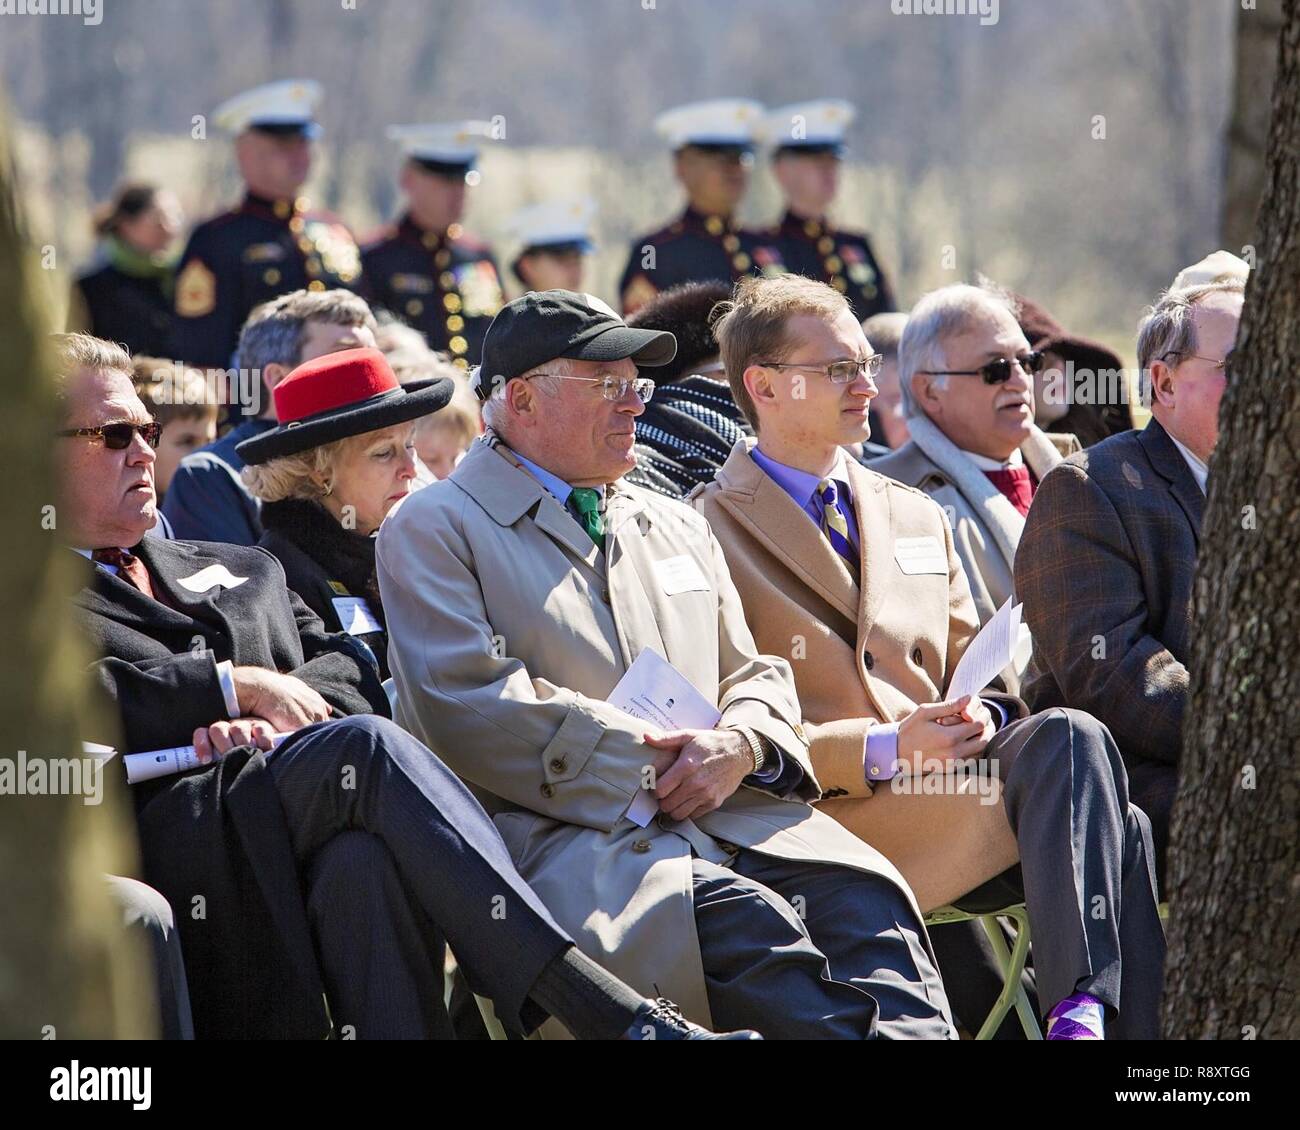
<point x="834" y="524"/>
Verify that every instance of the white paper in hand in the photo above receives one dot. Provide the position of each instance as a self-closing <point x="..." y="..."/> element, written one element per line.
<point x="654" y="691"/>
<point x="988" y="653"/>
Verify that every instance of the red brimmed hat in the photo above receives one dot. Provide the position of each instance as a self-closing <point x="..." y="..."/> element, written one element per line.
<point x="339" y="395"/>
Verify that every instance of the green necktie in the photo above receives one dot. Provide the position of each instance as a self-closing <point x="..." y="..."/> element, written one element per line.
<point x="586" y="501"/>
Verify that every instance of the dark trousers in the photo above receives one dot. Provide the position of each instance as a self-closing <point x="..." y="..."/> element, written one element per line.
<point x="814" y="951"/>
<point x="1087" y="867"/>
<point x="144" y="909"/>
<point x="443" y="874"/>
<point x="1152" y="786"/>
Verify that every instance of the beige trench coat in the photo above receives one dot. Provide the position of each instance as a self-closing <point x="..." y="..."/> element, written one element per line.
<point x="508" y="629"/>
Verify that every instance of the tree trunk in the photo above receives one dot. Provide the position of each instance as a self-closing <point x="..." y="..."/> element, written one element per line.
<point x="1234" y="942"/>
<point x="1256" y="60"/>
<point x="67" y="967"/>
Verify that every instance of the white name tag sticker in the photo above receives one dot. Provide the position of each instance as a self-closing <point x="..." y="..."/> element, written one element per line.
<point x="920" y="555"/>
<point x="355" y="615"/>
<point x="208" y="578"/>
<point x="681" y="574"/>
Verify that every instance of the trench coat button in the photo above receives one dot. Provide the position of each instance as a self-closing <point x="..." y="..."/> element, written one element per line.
<point x="641" y="846"/>
<point x="917" y="656"/>
<point x="868" y="660"/>
<point x="558" y="764"/>
<point x="548" y="790"/>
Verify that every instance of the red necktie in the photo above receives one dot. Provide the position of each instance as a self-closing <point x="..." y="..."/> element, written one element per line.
<point x="1015" y="484"/>
<point x="129" y="567"/>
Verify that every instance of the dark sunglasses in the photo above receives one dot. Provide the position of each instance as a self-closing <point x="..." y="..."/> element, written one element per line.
<point x="118" y="437"/>
<point x="995" y="372"/>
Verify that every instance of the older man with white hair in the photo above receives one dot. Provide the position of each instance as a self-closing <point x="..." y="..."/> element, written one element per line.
<point x="966" y="371"/>
<point x="1108" y="555"/>
<point x="520" y="591"/>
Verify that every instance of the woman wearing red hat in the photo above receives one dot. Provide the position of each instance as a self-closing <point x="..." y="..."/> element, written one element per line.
<point x="341" y="459"/>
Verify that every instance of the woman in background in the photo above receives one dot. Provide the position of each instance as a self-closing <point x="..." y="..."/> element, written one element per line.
<point x="127" y="296"/>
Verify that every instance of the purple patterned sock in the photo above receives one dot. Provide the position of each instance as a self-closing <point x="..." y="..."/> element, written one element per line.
<point x="1078" y="1017"/>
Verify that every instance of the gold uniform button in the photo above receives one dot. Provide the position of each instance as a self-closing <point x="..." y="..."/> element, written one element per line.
<point x="455" y="323"/>
<point x="271" y="276"/>
<point x="460" y="363"/>
<point x="812" y="229"/>
<point x="442" y="259"/>
<point x="447" y="280"/>
<point x="825" y="245"/>
<point x="415" y="308"/>
<point x="306" y="244"/>
<point x="548" y="790"/>
<point x="731" y="242"/>
<point x="452" y="303"/>
<point x="834" y="263"/>
<point x="713" y="225"/>
<point x="282" y="209"/>
<point x="295" y="225"/>
<point x="641" y="846"/>
<point x="458" y="344"/>
<point x="839" y="284"/>
<point x="315" y="284"/>
<point x="312" y="268"/>
<point x="454" y="231"/>
<point x="740" y="262"/>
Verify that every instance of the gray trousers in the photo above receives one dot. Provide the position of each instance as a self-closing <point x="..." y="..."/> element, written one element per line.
<point x="1087" y="866"/>
<point x="803" y="951"/>
<point x="146" y="910"/>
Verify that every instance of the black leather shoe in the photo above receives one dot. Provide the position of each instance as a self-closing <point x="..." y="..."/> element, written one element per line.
<point x="662" y="1020"/>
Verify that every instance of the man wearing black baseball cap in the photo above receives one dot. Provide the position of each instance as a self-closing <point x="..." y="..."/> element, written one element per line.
<point x="519" y="591"/>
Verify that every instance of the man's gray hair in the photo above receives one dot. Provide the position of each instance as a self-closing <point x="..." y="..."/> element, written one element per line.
<point x="274" y="331"/>
<point x="940" y="314"/>
<point x="1168" y="328"/>
<point x="494" y="407"/>
<point x="75" y="351"/>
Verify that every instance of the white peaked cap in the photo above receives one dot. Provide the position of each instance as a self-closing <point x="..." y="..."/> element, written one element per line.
<point x="721" y="121"/>
<point x="291" y="102"/>
<point x="818" y="123"/>
<point x="561" y="220"/>
<point x="449" y="143"/>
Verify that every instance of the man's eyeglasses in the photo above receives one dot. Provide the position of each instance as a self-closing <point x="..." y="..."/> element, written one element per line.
<point x="613" y="388"/>
<point x="1221" y="365"/>
<point x="118" y="437"/>
<point x="995" y="372"/>
<point x="837" y="372"/>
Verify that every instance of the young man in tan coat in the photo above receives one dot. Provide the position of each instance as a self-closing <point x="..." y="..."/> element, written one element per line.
<point x="853" y="578"/>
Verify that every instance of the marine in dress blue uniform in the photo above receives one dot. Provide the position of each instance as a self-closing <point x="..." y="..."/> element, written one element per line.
<point x="713" y="144"/>
<point x="425" y="268"/>
<point x="808" y="140"/>
<point x="268" y="245"/>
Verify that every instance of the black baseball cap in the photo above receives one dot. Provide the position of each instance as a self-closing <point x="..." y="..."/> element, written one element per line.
<point x="547" y="324"/>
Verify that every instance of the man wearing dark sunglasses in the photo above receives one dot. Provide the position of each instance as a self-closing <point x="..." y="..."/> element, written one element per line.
<point x="966" y="376"/>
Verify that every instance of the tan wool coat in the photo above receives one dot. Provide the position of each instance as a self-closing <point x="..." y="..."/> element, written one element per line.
<point x="508" y="629"/>
<point x="862" y="655"/>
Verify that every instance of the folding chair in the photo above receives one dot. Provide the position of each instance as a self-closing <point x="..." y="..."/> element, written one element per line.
<point x="1011" y="962"/>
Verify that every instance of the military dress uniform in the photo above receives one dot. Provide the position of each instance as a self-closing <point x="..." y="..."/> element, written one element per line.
<point x="842" y="259"/>
<point x="445" y="284"/>
<point x="247" y="256"/>
<point x="262" y="248"/>
<point x="695" y="248"/>
<point x="812" y="246"/>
